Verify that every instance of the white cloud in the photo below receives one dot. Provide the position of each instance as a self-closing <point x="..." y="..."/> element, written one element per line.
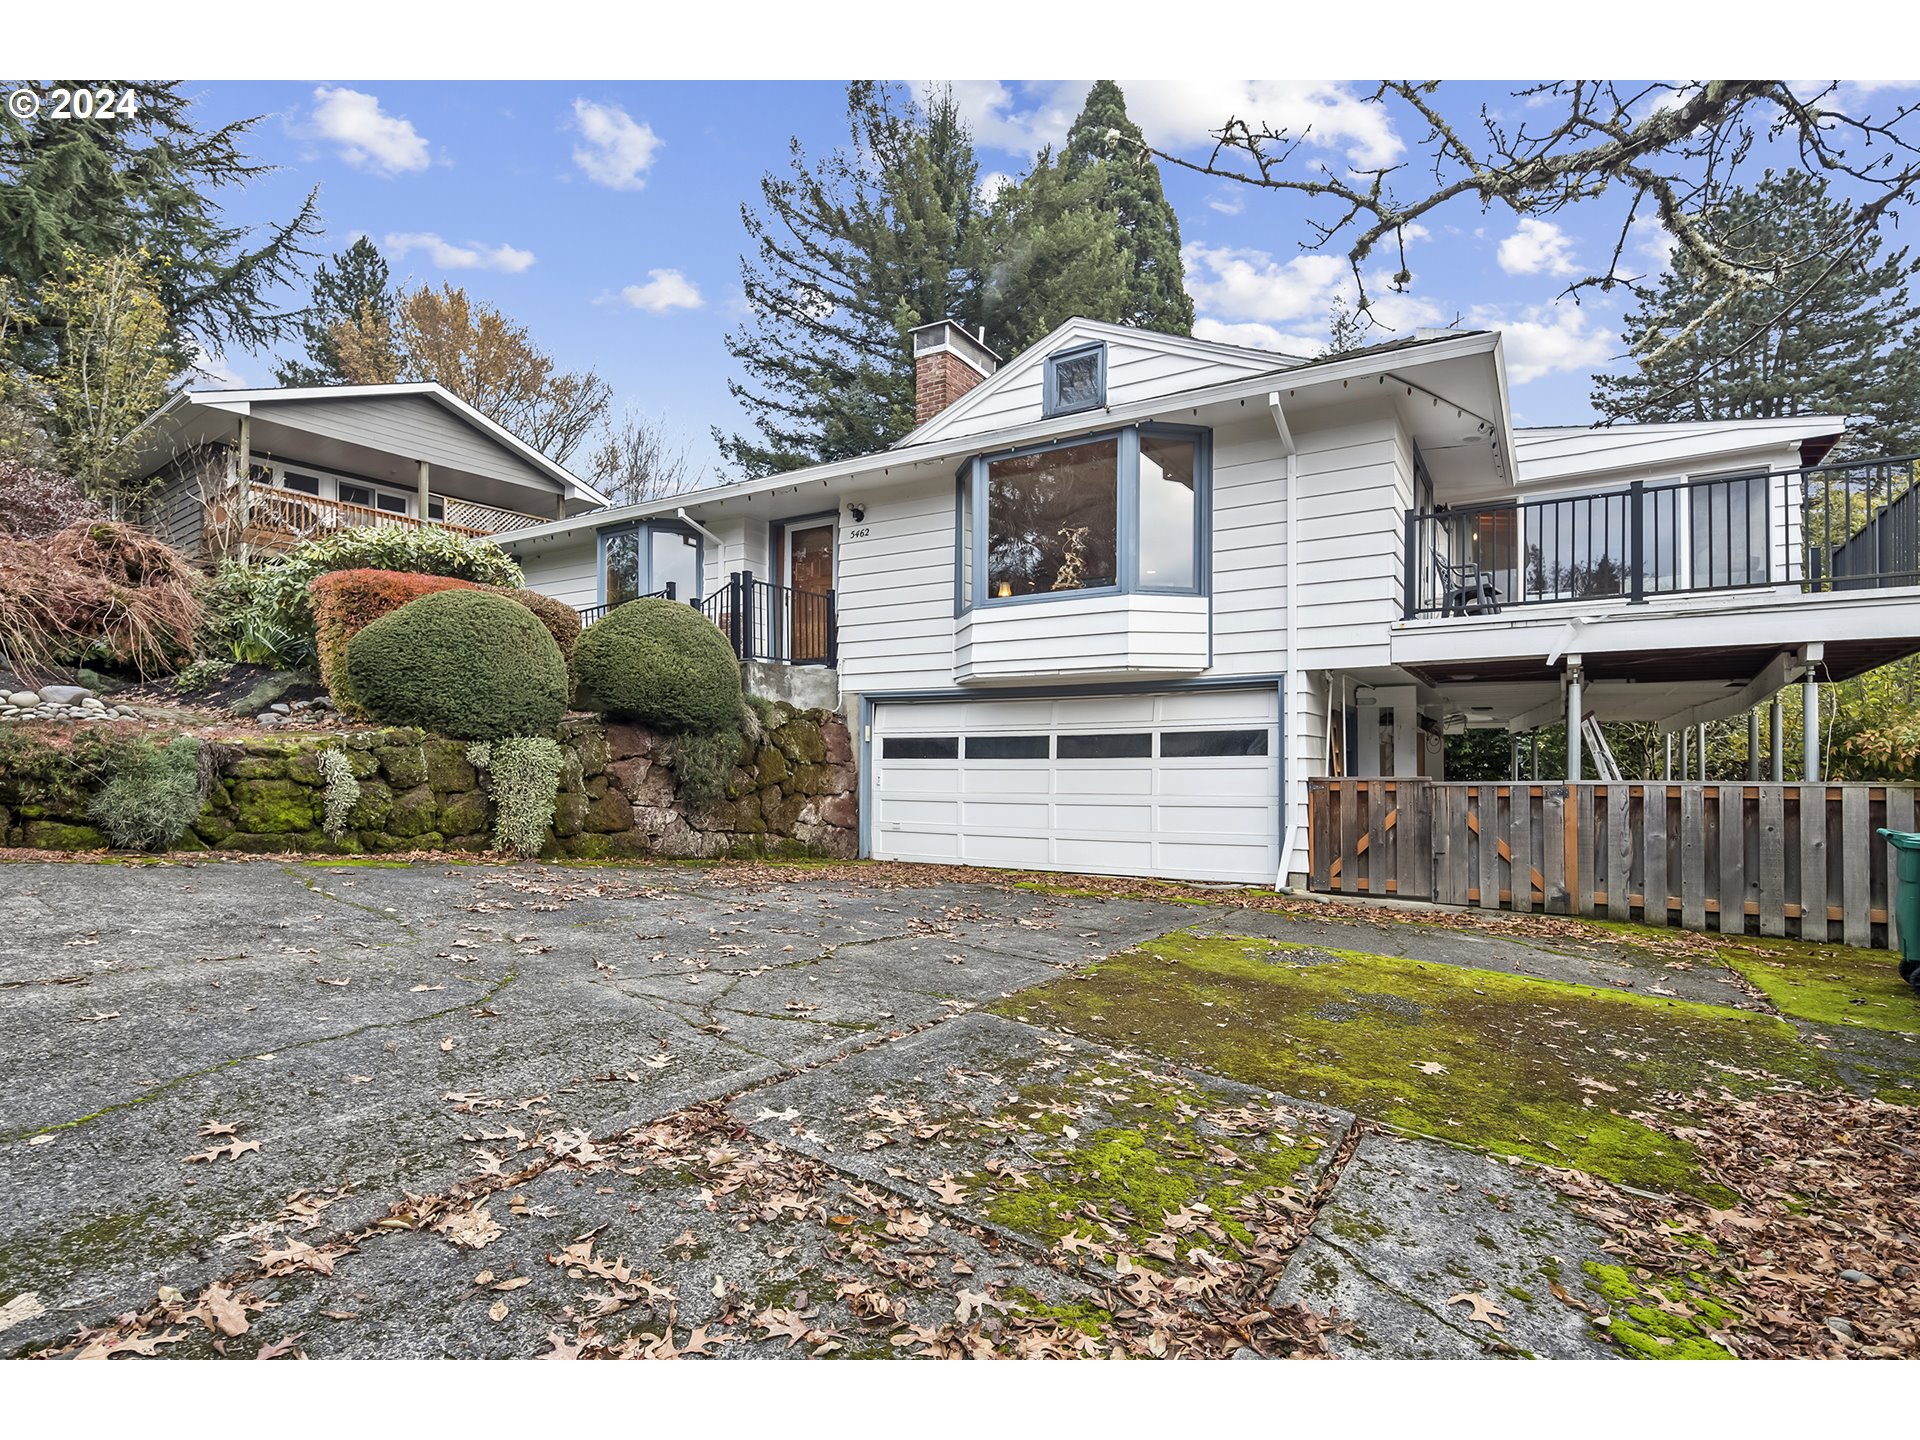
<point x="472" y="256"/>
<point x="665" y="290"/>
<point x="1255" y="336"/>
<point x="215" y="370"/>
<point x="1326" y="114"/>
<point x="1240" y="284"/>
<point x="1227" y="204"/>
<point x="368" y="137"/>
<point x="990" y="186"/>
<point x="1548" y="340"/>
<point x="1181" y="114"/>
<point x="1538" y="247"/>
<point x="618" y="150"/>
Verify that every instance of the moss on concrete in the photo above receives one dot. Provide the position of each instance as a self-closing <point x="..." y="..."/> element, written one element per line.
<point x="1561" y="1074"/>
<point x="1664" y="1319"/>
<point x="1829" y="984"/>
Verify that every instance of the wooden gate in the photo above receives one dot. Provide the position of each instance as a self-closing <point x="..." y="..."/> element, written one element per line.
<point x="1782" y="860"/>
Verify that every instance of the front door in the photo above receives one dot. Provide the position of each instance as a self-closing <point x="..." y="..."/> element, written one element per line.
<point x="810" y="575"/>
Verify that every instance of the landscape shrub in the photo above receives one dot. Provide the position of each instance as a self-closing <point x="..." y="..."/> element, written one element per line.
<point x="523" y="780"/>
<point x="342" y="791"/>
<point x="98" y="589"/>
<point x="702" y="765"/>
<point x="561" y="619"/>
<point x="461" y="662"/>
<point x="345" y="602"/>
<point x="153" y="793"/>
<point x="35" y="501"/>
<point x="242" y="619"/>
<point x="282" y="602"/>
<point x="662" y="664"/>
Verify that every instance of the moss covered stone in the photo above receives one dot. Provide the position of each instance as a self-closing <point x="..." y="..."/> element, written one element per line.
<point x="275" y="807"/>
<point x="1561" y="1074"/>
<point x="1668" y="1320"/>
<point x="415" y="812"/>
<point x="1829" y="984"/>
<point x="447" y="768"/>
<point x="800" y="741"/>
<point x="404" y="764"/>
<point x="464" y="814"/>
<point x="771" y="767"/>
<point x="57" y="835"/>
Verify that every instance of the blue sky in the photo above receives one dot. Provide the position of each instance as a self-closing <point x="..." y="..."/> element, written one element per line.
<point x="605" y="216"/>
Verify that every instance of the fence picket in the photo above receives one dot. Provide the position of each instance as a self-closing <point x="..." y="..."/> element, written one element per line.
<point x="1693" y="857"/>
<point x="1730" y="879"/>
<point x="1856" y="881"/>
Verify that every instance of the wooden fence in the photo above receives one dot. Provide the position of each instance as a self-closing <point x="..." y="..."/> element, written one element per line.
<point x="1782" y="860"/>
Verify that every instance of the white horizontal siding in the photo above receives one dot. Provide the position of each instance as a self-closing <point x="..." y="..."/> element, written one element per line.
<point x="1249" y="551"/>
<point x="568" y="570"/>
<point x="1355" y="483"/>
<point x="895" y="590"/>
<point x="1080" y="636"/>
<point x="416" y="428"/>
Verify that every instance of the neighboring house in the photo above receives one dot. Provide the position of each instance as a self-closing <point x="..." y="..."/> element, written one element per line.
<point x="1112" y="605"/>
<point x="334" y="457"/>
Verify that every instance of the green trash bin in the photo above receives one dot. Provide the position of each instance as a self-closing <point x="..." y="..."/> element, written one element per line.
<point x="1906" y="900"/>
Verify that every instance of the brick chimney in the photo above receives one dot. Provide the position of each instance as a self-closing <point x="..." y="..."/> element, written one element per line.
<point x="947" y="363"/>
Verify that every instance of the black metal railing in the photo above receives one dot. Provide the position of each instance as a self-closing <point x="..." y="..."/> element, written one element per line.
<point x="763" y="621"/>
<point x="591" y="613"/>
<point x="1848" y="525"/>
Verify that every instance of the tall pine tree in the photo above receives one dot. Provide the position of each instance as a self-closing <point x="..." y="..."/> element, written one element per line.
<point x="1055" y="254"/>
<point x="847" y="255"/>
<point x="351" y="293"/>
<point x="1847" y="345"/>
<point x="1107" y="149"/>
<point x="145" y="186"/>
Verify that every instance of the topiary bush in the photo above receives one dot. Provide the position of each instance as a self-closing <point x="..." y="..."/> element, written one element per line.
<point x="461" y="662"/>
<point x="152" y="794"/>
<point x="662" y="664"/>
<point x="281" y="605"/>
<point x="345" y="602"/>
<point x="561" y="619"/>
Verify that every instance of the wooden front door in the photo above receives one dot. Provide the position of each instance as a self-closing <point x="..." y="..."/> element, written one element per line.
<point x="810" y="574"/>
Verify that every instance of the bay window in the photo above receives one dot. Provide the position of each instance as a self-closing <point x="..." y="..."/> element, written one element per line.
<point x="645" y="559"/>
<point x="1118" y="512"/>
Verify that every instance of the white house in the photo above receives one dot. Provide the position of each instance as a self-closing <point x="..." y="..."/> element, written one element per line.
<point x="1110" y="606"/>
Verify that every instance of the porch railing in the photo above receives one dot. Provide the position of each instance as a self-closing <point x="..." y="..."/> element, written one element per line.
<point x="763" y="621"/>
<point x="269" y="518"/>
<point x="591" y="613"/>
<point x="1843" y="526"/>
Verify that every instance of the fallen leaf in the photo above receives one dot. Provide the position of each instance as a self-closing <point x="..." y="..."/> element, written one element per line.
<point x="1484" y="1309"/>
<point x="472" y="1229"/>
<point x="447" y="1044"/>
<point x="497" y="1311"/>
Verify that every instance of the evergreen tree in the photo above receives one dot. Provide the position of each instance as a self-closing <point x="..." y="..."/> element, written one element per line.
<point x="847" y="255"/>
<point x="352" y="293"/>
<point x="1108" y="149"/>
<point x="145" y="186"/>
<point x="1847" y="347"/>
<point x="1056" y="254"/>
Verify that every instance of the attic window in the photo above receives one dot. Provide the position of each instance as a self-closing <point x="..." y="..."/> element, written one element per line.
<point x="1076" y="380"/>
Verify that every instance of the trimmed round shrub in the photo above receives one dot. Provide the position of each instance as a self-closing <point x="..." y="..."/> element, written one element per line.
<point x="345" y="602"/>
<point x="662" y="664"/>
<point x="461" y="662"/>
<point x="561" y="619"/>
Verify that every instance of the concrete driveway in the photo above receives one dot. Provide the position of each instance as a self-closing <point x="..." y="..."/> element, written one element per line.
<point x="380" y="1109"/>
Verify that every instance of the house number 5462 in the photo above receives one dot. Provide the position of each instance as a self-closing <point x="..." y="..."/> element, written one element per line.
<point x="861" y="533"/>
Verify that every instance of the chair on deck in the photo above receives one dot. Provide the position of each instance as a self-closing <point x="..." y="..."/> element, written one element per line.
<point x="1465" y="589"/>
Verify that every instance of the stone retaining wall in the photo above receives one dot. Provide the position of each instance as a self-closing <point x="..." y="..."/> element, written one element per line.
<point x="794" y="792"/>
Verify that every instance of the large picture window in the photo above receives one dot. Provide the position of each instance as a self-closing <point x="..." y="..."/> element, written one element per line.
<point x="1053" y="521"/>
<point x="1122" y="511"/>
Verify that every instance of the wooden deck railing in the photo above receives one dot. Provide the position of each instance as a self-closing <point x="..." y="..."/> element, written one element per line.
<point x="280" y="519"/>
<point x="1738" y="857"/>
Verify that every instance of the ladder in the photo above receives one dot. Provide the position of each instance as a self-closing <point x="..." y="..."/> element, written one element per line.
<point x="1594" y="742"/>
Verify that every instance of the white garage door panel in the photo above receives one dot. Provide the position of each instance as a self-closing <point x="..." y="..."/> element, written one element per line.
<point x="1205" y="817"/>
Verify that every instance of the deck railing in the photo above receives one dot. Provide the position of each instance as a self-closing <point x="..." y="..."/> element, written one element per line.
<point x="1847" y="525"/>
<point x="268" y="518"/>
<point x="591" y="613"/>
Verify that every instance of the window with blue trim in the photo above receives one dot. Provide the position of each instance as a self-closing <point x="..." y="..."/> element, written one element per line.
<point x="1116" y="512"/>
<point x="647" y="559"/>
<point x="1076" y="380"/>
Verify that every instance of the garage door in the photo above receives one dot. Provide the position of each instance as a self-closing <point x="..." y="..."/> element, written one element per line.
<point x="1183" y="786"/>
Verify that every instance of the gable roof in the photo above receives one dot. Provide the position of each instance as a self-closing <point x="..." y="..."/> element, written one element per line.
<point x="1235" y="360"/>
<point x="241" y="401"/>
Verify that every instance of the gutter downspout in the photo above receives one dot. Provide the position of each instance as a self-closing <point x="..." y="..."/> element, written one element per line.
<point x="1289" y="686"/>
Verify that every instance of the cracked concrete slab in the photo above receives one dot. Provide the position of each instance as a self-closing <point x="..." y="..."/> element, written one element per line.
<point x="1002" y="1124"/>
<point x="1412" y="1224"/>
